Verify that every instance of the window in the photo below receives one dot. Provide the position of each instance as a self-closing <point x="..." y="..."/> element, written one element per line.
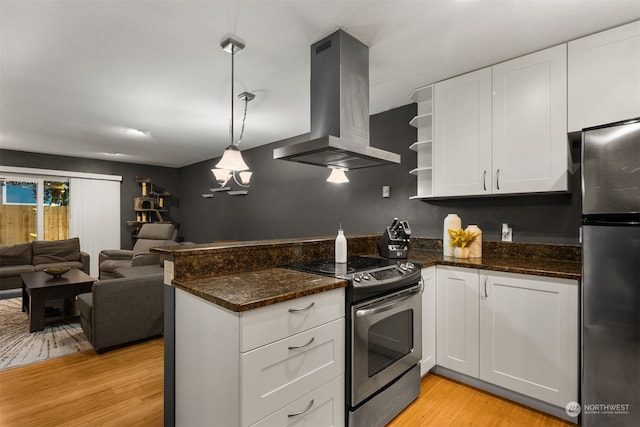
<point x="33" y="209"/>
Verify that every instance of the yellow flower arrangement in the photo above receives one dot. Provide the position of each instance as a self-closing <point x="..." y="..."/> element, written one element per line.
<point x="461" y="237"/>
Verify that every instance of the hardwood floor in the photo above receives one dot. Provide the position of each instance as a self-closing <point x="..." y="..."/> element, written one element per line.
<point x="124" y="388"/>
<point x="118" y="388"/>
<point x="444" y="402"/>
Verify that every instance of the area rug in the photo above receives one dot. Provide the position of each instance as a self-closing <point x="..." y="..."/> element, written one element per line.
<point x="19" y="347"/>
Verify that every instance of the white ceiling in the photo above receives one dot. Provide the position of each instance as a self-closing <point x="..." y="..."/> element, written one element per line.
<point x="75" y="75"/>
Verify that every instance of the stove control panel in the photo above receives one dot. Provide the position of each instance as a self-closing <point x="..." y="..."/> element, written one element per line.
<point x="382" y="274"/>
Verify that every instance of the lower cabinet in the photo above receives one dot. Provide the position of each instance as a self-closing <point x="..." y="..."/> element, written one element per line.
<point x="457" y="312"/>
<point x="272" y="366"/>
<point x="516" y="331"/>
<point x="529" y="335"/>
<point x="428" y="320"/>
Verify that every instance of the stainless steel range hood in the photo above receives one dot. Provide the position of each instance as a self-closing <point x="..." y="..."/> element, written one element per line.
<point x="339" y="109"/>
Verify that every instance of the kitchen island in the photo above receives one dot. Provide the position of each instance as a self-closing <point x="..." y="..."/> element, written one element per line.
<point x="235" y="280"/>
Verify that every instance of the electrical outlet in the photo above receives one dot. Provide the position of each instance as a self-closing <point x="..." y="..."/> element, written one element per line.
<point x="507" y="233"/>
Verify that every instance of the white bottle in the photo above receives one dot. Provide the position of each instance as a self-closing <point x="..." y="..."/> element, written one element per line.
<point x="341" y="247"/>
<point x="452" y="221"/>
<point x="475" y="248"/>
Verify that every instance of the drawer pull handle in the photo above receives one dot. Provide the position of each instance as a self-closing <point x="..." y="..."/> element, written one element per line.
<point x="294" y="347"/>
<point x="295" y="310"/>
<point x="303" y="411"/>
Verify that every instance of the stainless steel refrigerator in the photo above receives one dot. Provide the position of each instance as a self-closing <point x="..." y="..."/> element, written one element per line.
<point x="610" y="391"/>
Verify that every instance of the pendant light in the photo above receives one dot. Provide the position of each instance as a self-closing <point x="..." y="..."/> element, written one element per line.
<point x="232" y="157"/>
<point x="232" y="165"/>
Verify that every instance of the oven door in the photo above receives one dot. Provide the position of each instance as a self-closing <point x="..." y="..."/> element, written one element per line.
<point x="386" y="340"/>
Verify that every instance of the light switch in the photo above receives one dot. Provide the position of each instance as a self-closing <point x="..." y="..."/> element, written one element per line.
<point x="386" y="191"/>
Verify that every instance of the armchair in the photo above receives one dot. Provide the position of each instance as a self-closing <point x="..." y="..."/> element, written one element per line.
<point x="122" y="311"/>
<point x="112" y="261"/>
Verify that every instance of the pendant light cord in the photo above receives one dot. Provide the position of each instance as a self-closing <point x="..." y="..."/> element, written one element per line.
<point x="233" y="54"/>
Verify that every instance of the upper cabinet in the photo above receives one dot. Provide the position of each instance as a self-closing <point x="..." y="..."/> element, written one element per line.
<point x="502" y="129"/>
<point x="462" y="137"/>
<point x="530" y="150"/>
<point x="604" y="77"/>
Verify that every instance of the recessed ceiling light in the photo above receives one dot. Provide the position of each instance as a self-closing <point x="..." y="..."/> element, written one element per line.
<point x="138" y="132"/>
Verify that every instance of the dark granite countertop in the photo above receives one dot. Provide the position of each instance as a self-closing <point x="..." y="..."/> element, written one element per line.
<point x="242" y="276"/>
<point x="525" y="265"/>
<point x="252" y="289"/>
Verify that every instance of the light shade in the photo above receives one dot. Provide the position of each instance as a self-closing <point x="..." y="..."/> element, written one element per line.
<point x="245" y="177"/>
<point x="337" y="175"/>
<point x="232" y="160"/>
<point x="222" y="175"/>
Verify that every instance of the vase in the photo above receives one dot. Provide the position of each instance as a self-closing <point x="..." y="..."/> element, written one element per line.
<point x="475" y="247"/>
<point x="460" y="252"/>
<point x="452" y="221"/>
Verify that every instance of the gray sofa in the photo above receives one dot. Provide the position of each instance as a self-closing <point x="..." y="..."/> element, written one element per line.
<point x="123" y="310"/>
<point x="38" y="255"/>
<point x="116" y="263"/>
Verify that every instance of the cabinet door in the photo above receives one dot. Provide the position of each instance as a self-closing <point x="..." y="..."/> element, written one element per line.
<point x="428" y="320"/>
<point x="604" y="77"/>
<point x="529" y="124"/>
<point x="457" y="319"/>
<point x="462" y="142"/>
<point x="529" y="330"/>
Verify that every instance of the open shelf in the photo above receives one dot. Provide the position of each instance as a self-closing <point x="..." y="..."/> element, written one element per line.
<point x="423" y="120"/>
<point x="418" y="145"/>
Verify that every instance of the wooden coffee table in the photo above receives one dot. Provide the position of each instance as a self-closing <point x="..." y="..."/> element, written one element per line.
<point x="38" y="287"/>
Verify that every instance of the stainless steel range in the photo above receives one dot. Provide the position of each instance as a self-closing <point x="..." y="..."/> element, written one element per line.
<point x="384" y="344"/>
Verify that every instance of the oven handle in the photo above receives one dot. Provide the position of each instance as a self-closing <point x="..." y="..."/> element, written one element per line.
<point x="388" y="303"/>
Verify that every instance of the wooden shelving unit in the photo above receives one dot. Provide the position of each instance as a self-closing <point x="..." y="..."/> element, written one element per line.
<point x="150" y="206"/>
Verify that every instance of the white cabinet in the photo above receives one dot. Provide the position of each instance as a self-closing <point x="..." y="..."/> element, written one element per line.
<point x="502" y="129"/>
<point x="529" y="329"/>
<point x="604" y="77"/>
<point x="457" y="319"/>
<point x="462" y="137"/>
<point x="424" y="145"/>
<point x="428" y="320"/>
<point x="517" y="331"/>
<point x="529" y="129"/>
<point x="262" y="365"/>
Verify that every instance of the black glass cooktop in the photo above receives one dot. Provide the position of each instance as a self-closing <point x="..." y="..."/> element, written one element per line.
<point x="354" y="264"/>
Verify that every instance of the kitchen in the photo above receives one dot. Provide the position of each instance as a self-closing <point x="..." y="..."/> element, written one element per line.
<point x="352" y="205"/>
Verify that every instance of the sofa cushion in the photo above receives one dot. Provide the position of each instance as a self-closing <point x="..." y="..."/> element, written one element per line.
<point x="146" y="270"/>
<point x="56" y="251"/>
<point x="19" y="254"/>
<point x="15" y="270"/>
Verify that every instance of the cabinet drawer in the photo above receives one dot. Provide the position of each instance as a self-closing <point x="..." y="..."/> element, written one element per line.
<point x="274" y="322"/>
<point x="327" y="408"/>
<point x="279" y="373"/>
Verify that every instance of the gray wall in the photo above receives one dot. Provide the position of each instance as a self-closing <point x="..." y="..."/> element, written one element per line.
<point x="166" y="178"/>
<point x="293" y="200"/>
